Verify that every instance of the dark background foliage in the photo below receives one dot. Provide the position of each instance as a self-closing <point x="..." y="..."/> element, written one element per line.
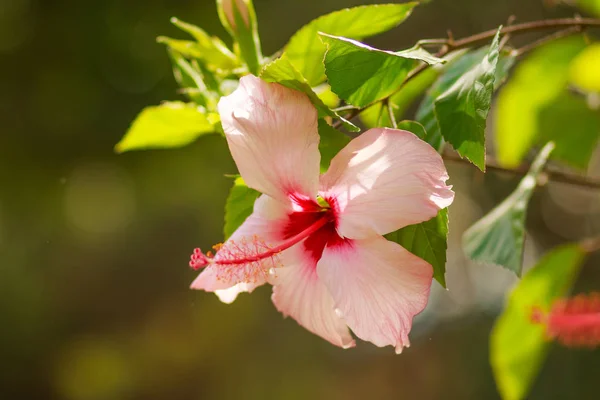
<point x="94" y="298"/>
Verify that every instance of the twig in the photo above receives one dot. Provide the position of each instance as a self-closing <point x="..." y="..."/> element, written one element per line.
<point x="451" y="44"/>
<point x="558" y="35"/>
<point x="574" y="25"/>
<point x="528" y="27"/>
<point x="553" y="175"/>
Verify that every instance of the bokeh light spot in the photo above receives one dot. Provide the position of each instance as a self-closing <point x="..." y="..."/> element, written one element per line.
<point x="16" y="25"/>
<point x="99" y="199"/>
<point x="93" y="369"/>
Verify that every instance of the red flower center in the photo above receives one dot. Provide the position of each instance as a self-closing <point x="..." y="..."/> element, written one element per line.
<point x="313" y="224"/>
<point x="310" y="215"/>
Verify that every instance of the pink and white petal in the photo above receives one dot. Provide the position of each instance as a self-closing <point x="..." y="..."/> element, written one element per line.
<point x="263" y="226"/>
<point x="272" y="135"/>
<point x="378" y="286"/>
<point x="383" y="180"/>
<point x="298" y="292"/>
<point x="210" y="281"/>
<point x="228" y="296"/>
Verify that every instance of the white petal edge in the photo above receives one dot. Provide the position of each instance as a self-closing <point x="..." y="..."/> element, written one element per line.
<point x="229" y="295"/>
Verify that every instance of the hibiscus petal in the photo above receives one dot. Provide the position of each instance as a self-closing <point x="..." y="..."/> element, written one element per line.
<point x="378" y="287"/>
<point x="299" y="293"/>
<point x="384" y="180"/>
<point x="228" y="296"/>
<point x="273" y="138"/>
<point x="264" y="225"/>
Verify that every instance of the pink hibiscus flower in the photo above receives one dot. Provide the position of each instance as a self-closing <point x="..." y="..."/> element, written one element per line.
<point x="318" y="239"/>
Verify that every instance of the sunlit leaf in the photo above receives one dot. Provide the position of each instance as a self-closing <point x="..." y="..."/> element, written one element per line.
<point x="239" y="206"/>
<point x="498" y="237"/>
<point x="208" y="48"/>
<point x="332" y="141"/>
<point x="591" y="6"/>
<point x="401" y="100"/>
<point x="329" y="98"/>
<point x="517" y="346"/>
<point x="456" y="67"/>
<point x="191" y="81"/>
<point x="583" y="71"/>
<point x="283" y="72"/>
<point x="428" y="240"/>
<point x="361" y="74"/>
<point x="306" y="51"/>
<point x="414" y="127"/>
<point x="537" y="82"/>
<point x="416" y="53"/>
<point x="188" y="48"/>
<point x="462" y="109"/>
<point x="172" y="124"/>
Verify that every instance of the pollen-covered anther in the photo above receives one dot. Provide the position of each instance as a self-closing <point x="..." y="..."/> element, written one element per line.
<point x="217" y="246"/>
<point x="573" y="322"/>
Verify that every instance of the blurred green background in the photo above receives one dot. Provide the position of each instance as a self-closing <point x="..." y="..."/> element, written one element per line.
<point x="94" y="298"/>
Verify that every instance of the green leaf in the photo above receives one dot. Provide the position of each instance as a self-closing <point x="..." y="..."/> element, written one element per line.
<point x="416" y="53"/>
<point x="191" y="81"/>
<point x="188" y="48"/>
<point x="583" y="71"/>
<point x="452" y="72"/>
<point x="428" y="240"/>
<point x="414" y="127"/>
<point x="498" y="237"/>
<point x="462" y="110"/>
<point x="239" y="206"/>
<point x="456" y="67"/>
<point x="573" y="127"/>
<point x="537" y="82"/>
<point x="361" y="74"/>
<point x="591" y="6"/>
<point x="283" y="72"/>
<point x="517" y="346"/>
<point x="306" y="51"/>
<point x="329" y="98"/>
<point x="401" y="100"/>
<point x="172" y="124"/>
<point x="210" y="49"/>
<point x="332" y="141"/>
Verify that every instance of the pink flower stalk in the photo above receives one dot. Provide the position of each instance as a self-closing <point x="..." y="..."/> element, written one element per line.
<point x="573" y="322"/>
<point x="318" y="239"/>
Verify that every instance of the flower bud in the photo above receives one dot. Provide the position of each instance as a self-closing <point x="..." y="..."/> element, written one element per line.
<point x="239" y="18"/>
<point x="230" y="7"/>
